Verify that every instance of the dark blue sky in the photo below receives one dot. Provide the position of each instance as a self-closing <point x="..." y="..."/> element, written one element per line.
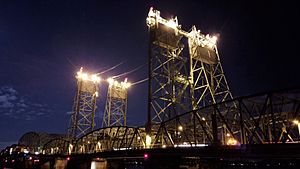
<point x="43" y="43"/>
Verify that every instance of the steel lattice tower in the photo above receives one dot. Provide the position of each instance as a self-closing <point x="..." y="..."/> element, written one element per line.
<point x="168" y="70"/>
<point x="181" y="81"/>
<point x="84" y="107"/>
<point x="209" y="84"/>
<point x="116" y="104"/>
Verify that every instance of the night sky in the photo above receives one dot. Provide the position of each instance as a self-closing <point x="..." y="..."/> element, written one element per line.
<point x="44" y="43"/>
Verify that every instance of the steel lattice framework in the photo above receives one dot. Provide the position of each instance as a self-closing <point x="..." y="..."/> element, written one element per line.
<point x="181" y="81"/>
<point x="168" y="72"/>
<point x="84" y="107"/>
<point x="110" y="139"/>
<point x="209" y="84"/>
<point x="116" y="104"/>
<point x="261" y="119"/>
<point x="99" y="140"/>
<point x="57" y="146"/>
<point x="268" y="118"/>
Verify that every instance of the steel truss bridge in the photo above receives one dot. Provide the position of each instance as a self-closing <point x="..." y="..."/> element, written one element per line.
<point x="256" y="131"/>
<point x="267" y="118"/>
<point x="191" y="112"/>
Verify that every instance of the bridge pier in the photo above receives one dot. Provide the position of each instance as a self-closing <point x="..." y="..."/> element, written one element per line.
<point x="75" y="163"/>
<point x="87" y="163"/>
<point x="101" y="164"/>
<point x="60" y="163"/>
<point x="53" y="163"/>
<point x="46" y="165"/>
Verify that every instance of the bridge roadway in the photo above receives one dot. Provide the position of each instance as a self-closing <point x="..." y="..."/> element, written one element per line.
<point x="209" y="157"/>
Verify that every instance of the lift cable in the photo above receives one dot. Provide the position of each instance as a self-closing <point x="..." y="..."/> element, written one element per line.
<point x="141" y="81"/>
<point x="110" y="68"/>
<point x="131" y="71"/>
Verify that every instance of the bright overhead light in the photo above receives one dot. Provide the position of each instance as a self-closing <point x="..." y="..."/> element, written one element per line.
<point x="110" y="81"/>
<point x="202" y="40"/>
<point x="148" y="141"/>
<point x="296" y="122"/>
<point x="115" y="83"/>
<point x="232" y="141"/>
<point x="87" y="77"/>
<point x="172" y="23"/>
<point x="180" y="128"/>
<point x="154" y="18"/>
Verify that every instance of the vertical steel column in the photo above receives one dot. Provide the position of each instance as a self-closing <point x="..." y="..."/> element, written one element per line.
<point x="215" y="127"/>
<point x="242" y="134"/>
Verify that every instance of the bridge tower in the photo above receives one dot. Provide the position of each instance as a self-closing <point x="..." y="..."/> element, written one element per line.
<point x="185" y="71"/>
<point x="116" y="103"/>
<point x="168" y="90"/>
<point x="84" y="107"/>
<point x="208" y="81"/>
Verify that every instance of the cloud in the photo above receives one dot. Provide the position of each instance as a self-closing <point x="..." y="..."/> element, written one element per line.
<point x="69" y="112"/>
<point x="40" y="114"/>
<point x="14" y="106"/>
<point x="6" y="104"/>
<point x="21" y="104"/>
<point x="11" y="90"/>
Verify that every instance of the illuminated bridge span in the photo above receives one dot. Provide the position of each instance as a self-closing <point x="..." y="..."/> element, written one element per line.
<point x="192" y="118"/>
<point x="257" y="131"/>
<point x="269" y="118"/>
